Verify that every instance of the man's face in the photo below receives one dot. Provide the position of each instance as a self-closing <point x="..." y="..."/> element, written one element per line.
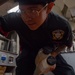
<point x="33" y="15"/>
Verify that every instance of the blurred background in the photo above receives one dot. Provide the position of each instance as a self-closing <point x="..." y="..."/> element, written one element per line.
<point x="9" y="47"/>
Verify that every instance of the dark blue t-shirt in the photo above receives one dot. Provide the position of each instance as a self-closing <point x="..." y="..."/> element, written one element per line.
<point x="54" y="31"/>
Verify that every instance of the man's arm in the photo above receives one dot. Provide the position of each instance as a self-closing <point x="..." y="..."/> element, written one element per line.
<point x="8" y="23"/>
<point x="67" y="40"/>
<point x="2" y="31"/>
<point x="58" y="50"/>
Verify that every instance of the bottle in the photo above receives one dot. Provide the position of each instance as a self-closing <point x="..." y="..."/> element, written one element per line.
<point x="47" y="63"/>
<point x="13" y="46"/>
<point x="42" y="54"/>
<point x="42" y="60"/>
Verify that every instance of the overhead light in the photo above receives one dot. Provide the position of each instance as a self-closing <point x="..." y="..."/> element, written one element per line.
<point x="15" y="9"/>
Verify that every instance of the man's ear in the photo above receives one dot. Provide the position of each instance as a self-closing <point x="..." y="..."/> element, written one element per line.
<point x="49" y="7"/>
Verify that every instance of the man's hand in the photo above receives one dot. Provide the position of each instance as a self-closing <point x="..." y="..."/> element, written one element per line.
<point x="45" y="68"/>
<point x="42" y="66"/>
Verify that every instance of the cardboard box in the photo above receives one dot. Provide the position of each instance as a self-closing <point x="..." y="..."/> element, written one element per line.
<point x="2" y="70"/>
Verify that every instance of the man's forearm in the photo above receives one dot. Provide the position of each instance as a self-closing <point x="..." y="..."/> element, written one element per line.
<point x="58" y="50"/>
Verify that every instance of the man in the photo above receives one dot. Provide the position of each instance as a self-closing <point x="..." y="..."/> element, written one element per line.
<point x="38" y="27"/>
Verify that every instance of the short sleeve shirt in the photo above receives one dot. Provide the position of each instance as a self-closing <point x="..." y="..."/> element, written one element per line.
<point x="55" y="31"/>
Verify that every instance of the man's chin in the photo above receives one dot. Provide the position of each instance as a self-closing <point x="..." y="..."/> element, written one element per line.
<point x="33" y="28"/>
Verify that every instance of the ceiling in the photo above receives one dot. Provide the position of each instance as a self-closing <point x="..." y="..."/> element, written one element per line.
<point x="5" y="5"/>
<point x="2" y="2"/>
<point x="69" y="3"/>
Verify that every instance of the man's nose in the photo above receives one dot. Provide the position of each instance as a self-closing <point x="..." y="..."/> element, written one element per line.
<point x="30" y="15"/>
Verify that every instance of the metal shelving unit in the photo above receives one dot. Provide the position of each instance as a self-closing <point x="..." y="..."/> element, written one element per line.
<point x="7" y="55"/>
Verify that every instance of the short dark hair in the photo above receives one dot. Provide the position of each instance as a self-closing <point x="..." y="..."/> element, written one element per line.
<point x="22" y="2"/>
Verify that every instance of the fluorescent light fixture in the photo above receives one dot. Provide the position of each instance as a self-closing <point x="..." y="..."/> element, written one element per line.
<point x="15" y="9"/>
